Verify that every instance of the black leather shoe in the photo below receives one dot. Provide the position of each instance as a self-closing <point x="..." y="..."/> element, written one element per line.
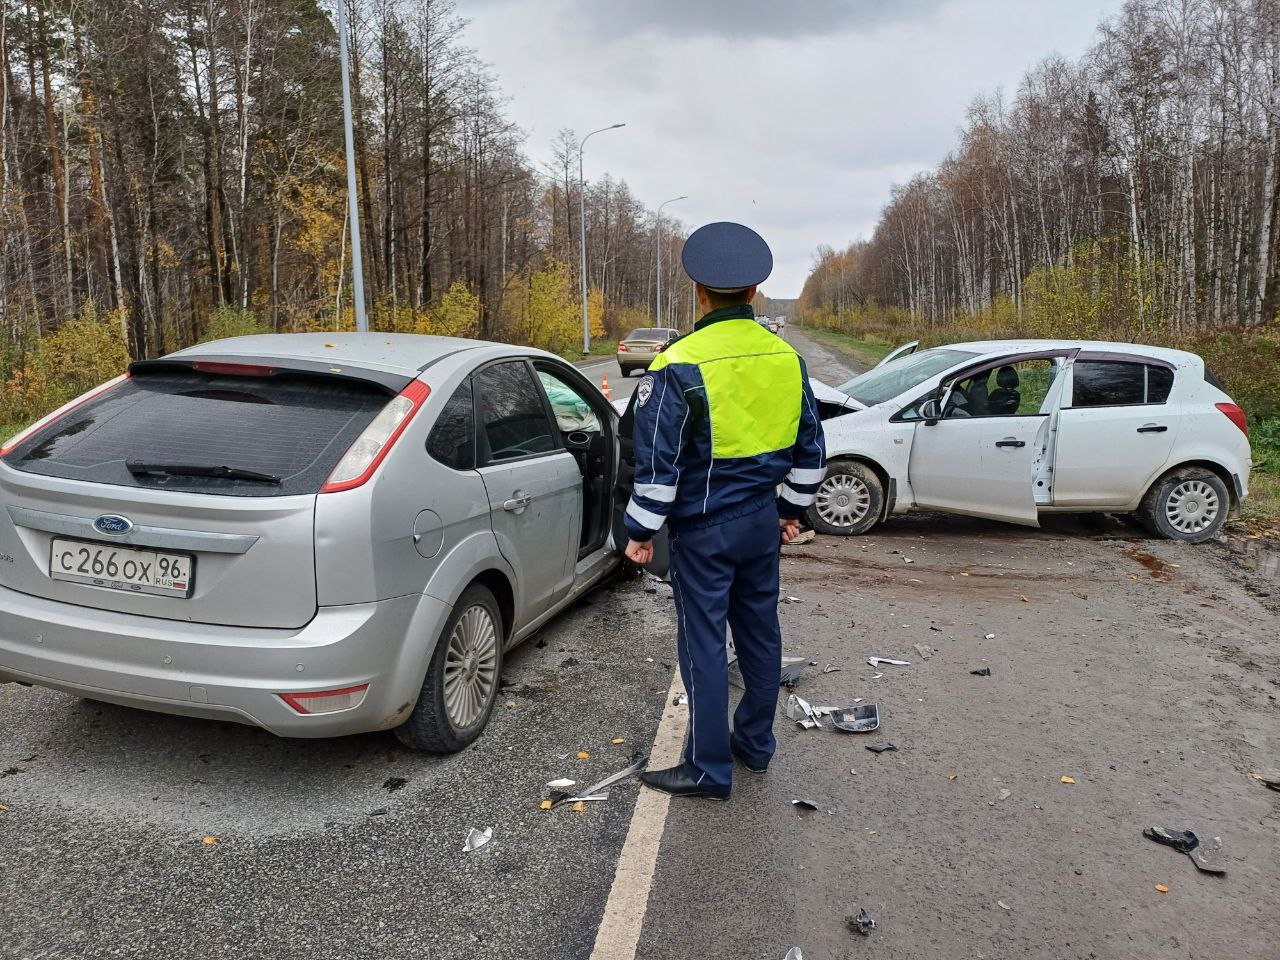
<point x="742" y="758"/>
<point x="677" y="782"/>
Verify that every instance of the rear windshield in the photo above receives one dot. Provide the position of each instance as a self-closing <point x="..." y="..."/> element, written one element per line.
<point x="295" y="428"/>
<point x="649" y="333"/>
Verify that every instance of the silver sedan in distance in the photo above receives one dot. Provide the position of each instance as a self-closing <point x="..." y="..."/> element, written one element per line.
<point x="319" y="535"/>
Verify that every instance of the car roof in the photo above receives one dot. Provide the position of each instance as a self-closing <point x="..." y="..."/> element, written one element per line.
<point x="998" y="347"/>
<point x="401" y="353"/>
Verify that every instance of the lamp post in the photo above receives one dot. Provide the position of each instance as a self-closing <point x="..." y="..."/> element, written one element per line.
<point x="657" y="314"/>
<point x="357" y="262"/>
<point x="582" y="227"/>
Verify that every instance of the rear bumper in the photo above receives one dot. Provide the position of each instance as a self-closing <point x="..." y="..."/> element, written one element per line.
<point x="226" y="673"/>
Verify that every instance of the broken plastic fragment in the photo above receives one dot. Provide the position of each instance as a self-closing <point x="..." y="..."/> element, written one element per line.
<point x="876" y="661"/>
<point x="981" y="672"/>
<point x="990" y="636"/>
<point x="798" y="709"/>
<point x="791" y="600"/>
<point x="881" y="747"/>
<point x="862" y="719"/>
<point x="794" y="954"/>
<point x="477" y="839"/>
<point x="924" y="650"/>
<point x="1184" y="841"/>
<point x="830" y="668"/>
<point x="637" y="765"/>
<point x="680" y="700"/>
<point x="1005" y="794"/>
<point x="1003" y="905"/>
<point x="862" y="923"/>
<point x="804" y="804"/>
<point x="1208" y="856"/>
<point x="561" y="784"/>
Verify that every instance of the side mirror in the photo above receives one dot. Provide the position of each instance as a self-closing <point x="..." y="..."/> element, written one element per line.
<point x="931" y="411"/>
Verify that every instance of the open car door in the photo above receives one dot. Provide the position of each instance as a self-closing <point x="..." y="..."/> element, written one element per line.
<point x="901" y="351"/>
<point x="993" y="434"/>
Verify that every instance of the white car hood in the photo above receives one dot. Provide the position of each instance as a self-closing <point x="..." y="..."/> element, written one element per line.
<point x="831" y="395"/>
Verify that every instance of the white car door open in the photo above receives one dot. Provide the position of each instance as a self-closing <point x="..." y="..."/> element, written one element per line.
<point x="982" y="456"/>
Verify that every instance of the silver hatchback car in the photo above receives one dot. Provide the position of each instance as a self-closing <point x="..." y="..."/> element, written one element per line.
<point x="315" y="534"/>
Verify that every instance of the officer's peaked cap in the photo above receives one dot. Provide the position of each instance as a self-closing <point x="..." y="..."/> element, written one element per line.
<point x="727" y="256"/>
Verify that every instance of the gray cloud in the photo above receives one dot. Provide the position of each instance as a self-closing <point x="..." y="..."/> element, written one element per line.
<point x="748" y="18"/>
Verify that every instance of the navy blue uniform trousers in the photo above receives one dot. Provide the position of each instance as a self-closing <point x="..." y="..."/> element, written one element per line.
<point x="725" y="572"/>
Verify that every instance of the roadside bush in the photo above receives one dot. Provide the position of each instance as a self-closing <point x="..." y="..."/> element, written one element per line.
<point x="227" y="321"/>
<point x="79" y="355"/>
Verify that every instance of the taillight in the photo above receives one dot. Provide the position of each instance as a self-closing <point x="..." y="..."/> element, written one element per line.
<point x="622" y="348"/>
<point x="372" y="446"/>
<point x="1235" y="415"/>
<point x="326" y="701"/>
<point x="233" y="369"/>
<point x="60" y="412"/>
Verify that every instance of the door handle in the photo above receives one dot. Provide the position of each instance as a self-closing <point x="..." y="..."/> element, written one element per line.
<point x="517" y="503"/>
<point x="1153" y="428"/>
<point x="1011" y="443"/>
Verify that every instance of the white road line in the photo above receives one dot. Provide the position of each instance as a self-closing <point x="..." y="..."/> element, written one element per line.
<point x="619" y="932"/>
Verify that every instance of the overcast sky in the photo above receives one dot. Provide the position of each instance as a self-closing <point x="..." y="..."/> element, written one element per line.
<point x="793" y="116"/>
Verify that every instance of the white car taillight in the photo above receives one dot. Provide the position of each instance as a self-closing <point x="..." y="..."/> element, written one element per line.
<point x="372" y="446"/>
<point x="61" y="411"/>
<point x="326" y="701"/>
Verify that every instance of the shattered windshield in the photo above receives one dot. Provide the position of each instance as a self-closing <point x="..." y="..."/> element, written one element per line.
<point x="899" y="376"/>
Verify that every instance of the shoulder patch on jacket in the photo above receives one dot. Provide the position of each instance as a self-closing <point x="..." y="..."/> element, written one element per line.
<point x="644" y="391"/>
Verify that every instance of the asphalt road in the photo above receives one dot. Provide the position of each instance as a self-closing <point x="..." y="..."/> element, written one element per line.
<point x="1145" y="671"/>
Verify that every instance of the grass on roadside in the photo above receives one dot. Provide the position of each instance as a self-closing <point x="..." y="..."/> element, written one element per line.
<point x="865" y="350"/>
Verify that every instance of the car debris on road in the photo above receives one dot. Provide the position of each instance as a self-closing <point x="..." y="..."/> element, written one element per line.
<point x="883" y="746"/>
<point x="861" y="719"/>
<point x="981" y="672"/>
<point x="599" y="791"/>
<point x="477" y="839"/>
<point x="862" y="923"/>
<point x="1205" y="854"/>
<point x="876" y="661"/>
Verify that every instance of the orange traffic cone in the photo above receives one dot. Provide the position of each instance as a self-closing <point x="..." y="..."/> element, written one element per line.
<point x="604" y="388"/>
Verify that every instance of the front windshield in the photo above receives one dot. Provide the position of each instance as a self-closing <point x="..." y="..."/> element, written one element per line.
<point x="899" y="376"/>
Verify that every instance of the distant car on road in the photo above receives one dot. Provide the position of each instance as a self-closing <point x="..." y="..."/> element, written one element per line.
<point x="638" y="348"/>
<point x="1012" y="430"/>
<point x="314" y="534"/>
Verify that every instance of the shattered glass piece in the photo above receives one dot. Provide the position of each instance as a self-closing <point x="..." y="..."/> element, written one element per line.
<point x="881" y="747"/>
<point x="477" y="839"/>
<point x="876" y="661"/>
<point x="794" y="953"/>
<point x="859" y="719"/>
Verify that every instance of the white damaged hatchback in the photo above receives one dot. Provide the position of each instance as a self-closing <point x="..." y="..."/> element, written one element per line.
<point x="1012" y="430"/>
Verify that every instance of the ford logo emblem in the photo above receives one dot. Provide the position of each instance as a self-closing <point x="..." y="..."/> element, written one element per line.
<point x="113" y="525"/>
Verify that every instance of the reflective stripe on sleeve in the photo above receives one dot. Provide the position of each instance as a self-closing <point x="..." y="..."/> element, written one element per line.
<point x="659" y="492"/>
<point x="646" y="518"/>
<point x="799" y="499"/>
<point x="799" y="475"/>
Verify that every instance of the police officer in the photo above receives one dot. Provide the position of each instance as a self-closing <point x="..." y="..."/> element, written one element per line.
<point x="729" y="452"/>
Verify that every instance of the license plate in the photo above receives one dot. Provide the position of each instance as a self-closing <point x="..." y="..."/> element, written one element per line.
<point x="152" y="572"/>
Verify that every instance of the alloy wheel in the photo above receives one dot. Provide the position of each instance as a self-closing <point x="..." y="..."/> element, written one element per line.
<point x="470" y="667"/>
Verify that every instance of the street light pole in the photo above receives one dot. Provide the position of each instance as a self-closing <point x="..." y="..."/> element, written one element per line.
<point x="657" y="274"/>
<point x="582" y="227"/>
<point x="357" y="262"/>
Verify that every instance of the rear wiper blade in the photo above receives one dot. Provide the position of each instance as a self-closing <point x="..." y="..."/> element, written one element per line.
<point x="197" y="470"/>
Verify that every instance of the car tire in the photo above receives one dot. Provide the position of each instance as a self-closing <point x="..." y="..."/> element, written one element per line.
<point x="462" y="679"/>
<point x="1189" y="504"/>
<point x="850" y="500"/>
